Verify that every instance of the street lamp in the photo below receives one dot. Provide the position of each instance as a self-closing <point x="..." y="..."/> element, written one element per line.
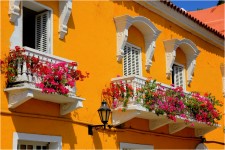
<point x="104" y="113"/>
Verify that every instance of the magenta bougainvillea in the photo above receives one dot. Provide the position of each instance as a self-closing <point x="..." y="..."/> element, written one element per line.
<point x="172" y="102"/>
<point x="54" y="77"/>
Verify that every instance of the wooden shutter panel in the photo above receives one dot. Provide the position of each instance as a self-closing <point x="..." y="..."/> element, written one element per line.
<point x="131" y="65"/>
<point x="178" y="75"/>
<point x="42" y="29"/>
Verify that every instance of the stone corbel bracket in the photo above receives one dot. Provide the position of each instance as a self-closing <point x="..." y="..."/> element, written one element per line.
<point x="149" y="31"/>
<point x="65" y="9"/>
<point x="14" y="10"/>
<point x="190" y="50"/>
<point x="222" y="68"/>
<point x="19" y="95"/>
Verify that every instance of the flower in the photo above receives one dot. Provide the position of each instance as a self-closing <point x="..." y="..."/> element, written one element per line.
<point x="171" y="102"/>
<point x="55" y="77"/>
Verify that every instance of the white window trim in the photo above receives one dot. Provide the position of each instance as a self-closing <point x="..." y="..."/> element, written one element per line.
<point x="184" y="76"/>
<point x="191" y="53"/>
<point x="16" y="38"/>
<point x="140" y="58"/>
<point x="135" y="146"/>
<point x="147" y="28"/>
<point x="57" y="140"/>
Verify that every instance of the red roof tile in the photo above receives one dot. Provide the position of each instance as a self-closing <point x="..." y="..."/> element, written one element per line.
<point x="213" y="17"/>
<point x="213" y="27"/>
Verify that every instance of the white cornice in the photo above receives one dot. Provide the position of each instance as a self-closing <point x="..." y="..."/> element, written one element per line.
<point x="187" y="24"/>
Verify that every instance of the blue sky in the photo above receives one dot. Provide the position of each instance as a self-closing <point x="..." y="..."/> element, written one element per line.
<point x="191" y="5"/>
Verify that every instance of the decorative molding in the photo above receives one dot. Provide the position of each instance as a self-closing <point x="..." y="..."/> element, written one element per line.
<point x="19" y="95"/>
<point x="136" y="110"/>
<point x="222" y="68"/>
<point x="190" y="50"/>
<point x="157" y="123"/>
<point x="202" y="131"/>
<point x="173" y="16"/>
<point x="175" y="127"/>
<point x="147" y="28"/>
<point x="65" y="9"/>
<point x="135" y="146"/>
<point x="55" y="142"/>
<point x="14" y="10"/>
<point x="69" y="107"/>
<point x="119" y="117"/>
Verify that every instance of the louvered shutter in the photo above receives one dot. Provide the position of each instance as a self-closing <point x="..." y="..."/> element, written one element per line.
<point x="131" y="65"/>
<point x="42" y="32"/>
<point x="178" y="75"/>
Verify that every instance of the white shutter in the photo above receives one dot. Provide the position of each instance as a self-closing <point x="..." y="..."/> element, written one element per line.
<point x="178" y="76"/>
<point x="42" y="32"/>
<point x="131" y="64"/>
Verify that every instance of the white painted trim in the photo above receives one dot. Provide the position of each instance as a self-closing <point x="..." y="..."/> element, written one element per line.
<point x="14" y="10"/>
<point x="140" y="57"/>
<point x="147" y="28"/>
<point x="16" y="38"/>
<point x="135" y="146"/>
<point x="184" y="75"/>
<point x="190" y="50"/>
<point x="55" y="141"/>
<point x="65" y="9"/>
<point x="182" y="21"/>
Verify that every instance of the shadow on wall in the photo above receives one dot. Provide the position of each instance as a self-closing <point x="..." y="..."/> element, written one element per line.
<point x="175" y="31"/>
<point x="44" y="121"/>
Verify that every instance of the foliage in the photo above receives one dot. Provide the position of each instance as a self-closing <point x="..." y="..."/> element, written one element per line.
<point x="169" y="101"/>
<point x="54" y="77"/>
<point x="118" y="93"/>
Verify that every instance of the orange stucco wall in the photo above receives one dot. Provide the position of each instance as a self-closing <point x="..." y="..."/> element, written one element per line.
<point x="91" y="41"/>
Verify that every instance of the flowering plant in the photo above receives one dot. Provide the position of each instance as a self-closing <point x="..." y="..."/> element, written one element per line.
<point x="171" y="102"/>
<point x="54" y="77"/>
<point x="203" y="108"/>
<point x="161" y="100"/>
<point x="118" y="93"/>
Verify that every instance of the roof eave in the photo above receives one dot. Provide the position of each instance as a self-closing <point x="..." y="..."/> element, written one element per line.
<point x="183" y="21"/>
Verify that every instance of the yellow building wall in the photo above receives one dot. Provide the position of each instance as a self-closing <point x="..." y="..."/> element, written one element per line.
<point x="91" y="41"/>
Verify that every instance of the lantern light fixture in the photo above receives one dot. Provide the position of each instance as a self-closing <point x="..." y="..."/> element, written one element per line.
<point x="104" y="113"/>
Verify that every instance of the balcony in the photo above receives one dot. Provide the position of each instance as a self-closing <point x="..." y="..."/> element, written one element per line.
<point x="136" y="110"/>
<point x="24" y="89"/>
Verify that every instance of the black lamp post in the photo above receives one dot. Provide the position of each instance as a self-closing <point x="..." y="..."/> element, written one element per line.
<point x="104" y="113"/>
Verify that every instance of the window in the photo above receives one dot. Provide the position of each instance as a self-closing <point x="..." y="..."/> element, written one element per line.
<point x="132" y="60"/>
<point x="178" y="78"/>
<point x="25" y="145"/>
<point x="129" y="146"/>
<point x="24" y="141"/>
<point x="36" y="26"/>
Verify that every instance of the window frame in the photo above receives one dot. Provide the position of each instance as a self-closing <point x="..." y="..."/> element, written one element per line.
<point x="183" y="72"/>
<point x="136" y="146"/>
<point x="16" y="38"/>
<point x="57" y="140"/>
<point x="140" y="58"/>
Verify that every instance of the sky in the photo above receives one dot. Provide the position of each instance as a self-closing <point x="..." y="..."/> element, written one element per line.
<point x="191" y="5"/>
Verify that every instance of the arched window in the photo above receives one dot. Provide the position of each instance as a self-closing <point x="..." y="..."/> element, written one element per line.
<point x="149" y="31"/>
<point x="190" y="50"/>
